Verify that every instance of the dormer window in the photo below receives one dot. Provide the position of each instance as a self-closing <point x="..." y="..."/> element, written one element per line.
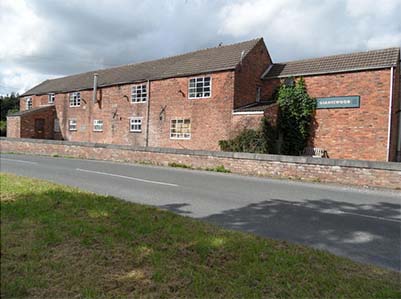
<point x="51" y="97"/>
<point x="75" y="99"/>
<point x="28" y="103"/>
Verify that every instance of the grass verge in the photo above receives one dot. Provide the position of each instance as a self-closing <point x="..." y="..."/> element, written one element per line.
<point x="219" y="168"/>
<point x="58" y="242"/>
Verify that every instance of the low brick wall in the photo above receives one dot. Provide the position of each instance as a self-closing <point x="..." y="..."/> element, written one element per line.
<point x="361" y="173"/>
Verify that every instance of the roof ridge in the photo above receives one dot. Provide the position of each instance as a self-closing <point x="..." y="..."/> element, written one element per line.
<point x="192" y="52"/>
<point x="338" y="55"/>
<point x="256" y="40"/>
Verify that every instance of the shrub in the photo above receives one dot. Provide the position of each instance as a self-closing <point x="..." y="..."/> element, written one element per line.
<point x="219" y="168"/>
<point x="179" y="165"/>
<point x="249" y="140"/>
<point x="260" y="141"/>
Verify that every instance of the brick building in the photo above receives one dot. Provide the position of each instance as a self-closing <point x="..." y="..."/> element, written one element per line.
<point x="196" y="99"/>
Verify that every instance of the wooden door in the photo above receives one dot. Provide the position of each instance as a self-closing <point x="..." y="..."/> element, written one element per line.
<point x="40" y="128"/>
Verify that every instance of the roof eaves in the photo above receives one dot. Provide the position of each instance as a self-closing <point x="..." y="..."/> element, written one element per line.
<point x="264" y="104"/>
<point x="266" y="71"/>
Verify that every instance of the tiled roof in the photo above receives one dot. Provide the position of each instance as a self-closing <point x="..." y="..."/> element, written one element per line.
<point x="19" y="113"/>
<point x="198" y="62"/>
<point x="256" y="107"/>
<point x="336" y="64"/>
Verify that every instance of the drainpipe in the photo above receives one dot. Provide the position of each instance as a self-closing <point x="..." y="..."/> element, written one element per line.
<point x="94" y="87"/>
<point x="390" y="114"/>
<point x="148" y="113"/>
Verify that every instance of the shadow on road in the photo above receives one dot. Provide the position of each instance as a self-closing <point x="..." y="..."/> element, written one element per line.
<point x="176" y="208"/>
<point x="343" y="228"/>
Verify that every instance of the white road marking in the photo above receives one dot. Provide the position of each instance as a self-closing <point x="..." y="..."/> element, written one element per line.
<point x="128" y="177"/>
<point x="337" y="212"/>
<point x="19" y="161"/>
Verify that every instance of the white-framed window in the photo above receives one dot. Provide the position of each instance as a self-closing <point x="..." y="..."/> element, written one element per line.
<point x="75" y="99"/>
<point x="28" y="103"/>
<point x="72" y="124"/>
<point x="51" y="97"/>
<point x="200" y="87"/>
<point x="180" y="129"/>
<point x="56" y="128"/>
<point x="139" y="93"/>
<point x="135" y="124"/>
<point x="98" y="125"/>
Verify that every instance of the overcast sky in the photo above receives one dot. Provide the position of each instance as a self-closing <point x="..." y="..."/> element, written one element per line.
<point x="41" y="39"/>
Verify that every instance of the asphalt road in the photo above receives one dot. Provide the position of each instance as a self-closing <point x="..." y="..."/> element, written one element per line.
<point x="362" y="224"/>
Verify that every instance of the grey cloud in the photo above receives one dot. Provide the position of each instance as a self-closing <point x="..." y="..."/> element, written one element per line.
<point x="86" y="35"/>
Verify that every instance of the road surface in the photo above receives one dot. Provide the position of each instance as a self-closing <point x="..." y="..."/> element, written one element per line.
<point x="362" y="224"/>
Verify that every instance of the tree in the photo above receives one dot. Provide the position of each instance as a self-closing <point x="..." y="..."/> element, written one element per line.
<point x="8" y="104"/>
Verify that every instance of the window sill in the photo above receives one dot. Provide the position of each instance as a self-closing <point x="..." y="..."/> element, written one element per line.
<point x="175" y="138"/>
<point x="209" y="97"/>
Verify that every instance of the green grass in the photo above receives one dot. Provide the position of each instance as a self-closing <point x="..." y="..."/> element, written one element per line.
<point x="180" y="165"/>
<point x="60" y="242"/>
<point x="219" y="168"/>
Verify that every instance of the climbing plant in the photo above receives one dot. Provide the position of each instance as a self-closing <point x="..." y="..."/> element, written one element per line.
<point x="295" y="116"/>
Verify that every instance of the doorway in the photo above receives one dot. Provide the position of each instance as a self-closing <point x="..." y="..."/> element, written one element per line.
<point x="40" y="128"/>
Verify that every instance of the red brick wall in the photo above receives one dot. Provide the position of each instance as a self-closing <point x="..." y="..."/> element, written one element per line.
<point x="247" y="75"/>
<point x="37" y="101"/>
<point x="23" y="126"/>
<point x="252" y="121"/>
<point x="399" y="115"/>
<point x="245" y="121"/>
<point x="113" y="108"/>
<point x="210" y="117"/>
<point x="395" y="114"/>
<point x="14" y="126"/>
<point x="271" y="113"/>
<point x="269" y="87"/>
<point x="343" y="172"/>
<point x="352" y="133"/>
